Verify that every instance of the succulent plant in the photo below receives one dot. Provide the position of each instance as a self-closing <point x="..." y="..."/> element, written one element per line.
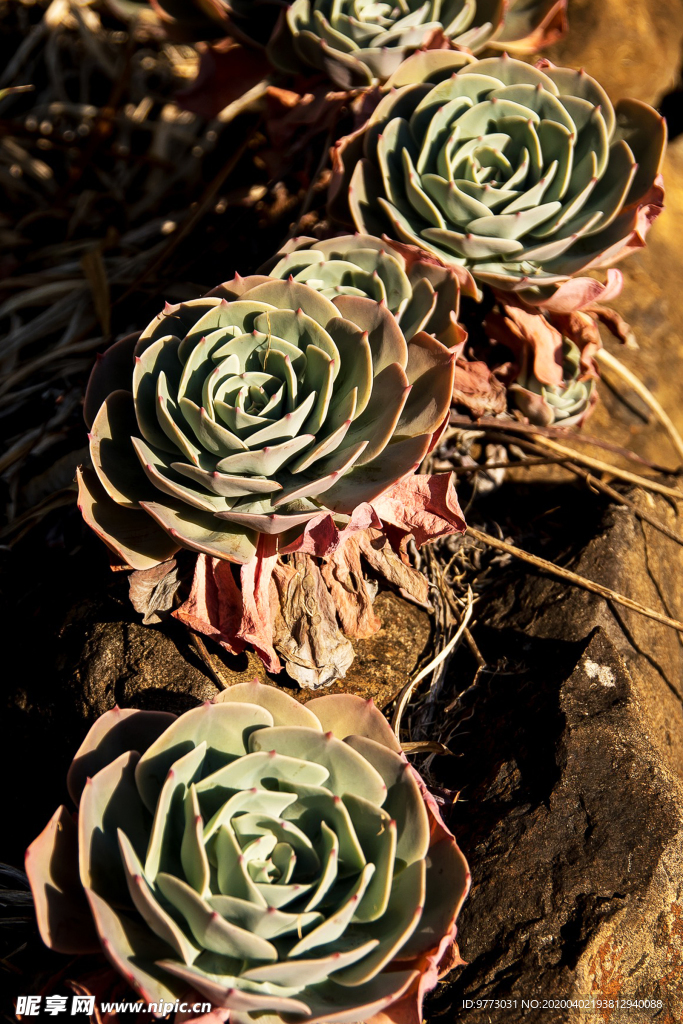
<point x="277" y="858"/>
<point x="561" y="405"/>
<point x="358" y="42"/>
<point x="524" y="175"/>
<point x="422" y="295"/>
<point x="227" y="419"/>
<point x="551" y="380"/>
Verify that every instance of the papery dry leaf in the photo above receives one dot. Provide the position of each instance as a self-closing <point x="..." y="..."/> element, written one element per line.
<point x="322" y="536"/>
<point x="353" y="594"/>
<point x="214" y="606"/>
<point x="256" y="627"/>
<point x="475" y="387"/>
<point x="286" y="605"/>
<point x="614" y="323"/>
<point x="582" y="329"/>
<point x="380" y="555"/>
<point x="424" y="505"/>
<point x="525" y="331"/>
<point x="581" y="293"/>
<point x="152" y="591"/>
<point x="305" y="624"/>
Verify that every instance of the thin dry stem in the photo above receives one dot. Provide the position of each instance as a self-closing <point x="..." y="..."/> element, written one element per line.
<point x="605" y="467"/>
<point x="572" y="577"/>
<point x="592" y="481"/>
<point x="510" y="426"/>
<point x="607" y="359"/>
<point x="201" y="648"/>
<point x="405" y="694"/>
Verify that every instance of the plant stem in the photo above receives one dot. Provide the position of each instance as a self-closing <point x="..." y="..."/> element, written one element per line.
<point x="607" y="359"/>
<point x="572" y="577"/>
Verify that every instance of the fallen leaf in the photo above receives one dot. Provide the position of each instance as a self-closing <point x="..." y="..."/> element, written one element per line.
<point x="152" y="591"/>
<point x="306" y="632"/>
<point x="477" y="389"/>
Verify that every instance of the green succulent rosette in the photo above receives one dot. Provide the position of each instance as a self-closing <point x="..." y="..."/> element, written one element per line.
<point x="561" y="405"/>
<point x="552" y="377"/>
<point x="523" y="175"/>
<point x="421" y="294"/>
<point x="284" y="862"/>
<point x="361" y="42"/>
<point x="231" y="418"/>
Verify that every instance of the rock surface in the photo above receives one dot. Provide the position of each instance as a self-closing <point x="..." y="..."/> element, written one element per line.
<point x="571" y="772"/>
<point x="108" y="658"/>
<point x="650" y="303"/>
<point x="634" y="47"/>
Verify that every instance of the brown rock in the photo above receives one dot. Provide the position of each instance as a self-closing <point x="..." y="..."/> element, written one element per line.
<point x="572" y="773"/>
<point x="107" y="657"/>
<point x="382" y="665"/>
<point x="650" y="303"/>
<point x="633" y="47"/>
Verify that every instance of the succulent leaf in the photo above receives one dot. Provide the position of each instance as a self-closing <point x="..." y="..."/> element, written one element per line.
<point x="239" y="858"/>
<point x="243" y="410"/>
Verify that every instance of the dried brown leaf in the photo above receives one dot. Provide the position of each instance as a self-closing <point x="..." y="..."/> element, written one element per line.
<point x="306" y="632"/>
<point x="152" y="591"/>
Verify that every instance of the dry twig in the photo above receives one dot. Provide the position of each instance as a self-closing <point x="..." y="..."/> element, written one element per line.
<point x="574" y="578"/>
<point x="607" y="359"/>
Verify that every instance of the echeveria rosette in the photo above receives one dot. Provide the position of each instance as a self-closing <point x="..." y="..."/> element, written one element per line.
<point x="561" y="405"/>
<point x="422" y="295"/>
<point x="277" y="859"/>
<point x="358" y="43"/>
<point x="552" y="379"/>
<point x="524" y="175"/>
<point x="233" y="419"/>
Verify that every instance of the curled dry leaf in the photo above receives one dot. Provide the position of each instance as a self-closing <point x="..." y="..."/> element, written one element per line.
<point x="352" y="592"/>
<point x="270" y="608"/>
<point x="152" y="591"/>
<point x="478" y="389"/>
<point x="305" y="628"/>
